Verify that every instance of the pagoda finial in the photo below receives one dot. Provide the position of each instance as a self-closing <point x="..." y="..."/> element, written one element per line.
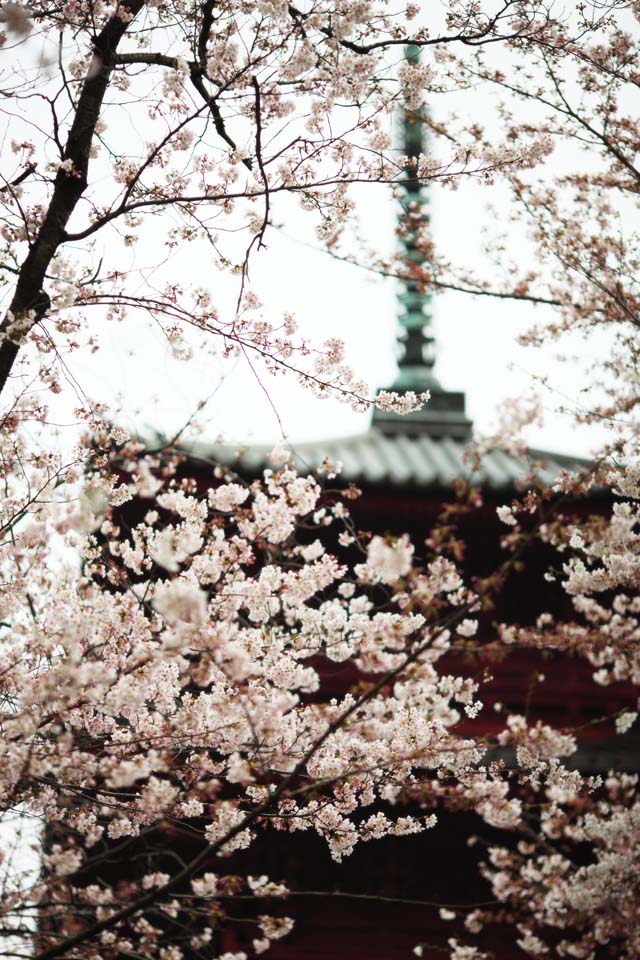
<point x="444" y="415"/>
<point x="417" y="358"/>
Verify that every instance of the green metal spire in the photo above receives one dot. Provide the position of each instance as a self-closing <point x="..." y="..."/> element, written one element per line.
<point x="417" y="358"/>
<point x="444" y="415"/>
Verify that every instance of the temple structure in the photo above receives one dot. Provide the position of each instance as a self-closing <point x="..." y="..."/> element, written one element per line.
<point x="422" y="451"/>
<point x="405" y="467"/>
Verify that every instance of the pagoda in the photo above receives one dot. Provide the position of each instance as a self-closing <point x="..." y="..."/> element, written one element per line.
<point x="405" y="467"/>
<point x="423" y="451"/>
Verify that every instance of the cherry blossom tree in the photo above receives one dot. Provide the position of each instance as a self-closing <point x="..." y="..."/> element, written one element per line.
<point x="229" y="107"/>
<point x="165" y="677"/>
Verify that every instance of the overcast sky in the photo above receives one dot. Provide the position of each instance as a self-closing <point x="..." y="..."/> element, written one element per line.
<point x="476" y="348"/>
<point x="477" y="352"/>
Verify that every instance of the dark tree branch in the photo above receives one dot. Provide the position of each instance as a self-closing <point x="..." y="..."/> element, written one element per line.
<point x="205" y="31"/>
<point x="211" y="102"/>
<point x="197" y="72"/>
<point x="30" y="301"/>
<point x="263" y="172"/>
<point x="28" y="170"/>
<point x="156" y="59"/>
<point x="473" y="38"/>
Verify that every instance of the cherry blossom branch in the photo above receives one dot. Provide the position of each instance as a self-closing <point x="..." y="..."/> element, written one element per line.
<point x="30" y="302"/>
<point x="279" y="790"/>
<point x="484" y="35"/>
<point x="28" y="170"/>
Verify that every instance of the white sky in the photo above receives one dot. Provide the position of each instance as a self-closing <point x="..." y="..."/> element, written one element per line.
<point x="476" y="349"/>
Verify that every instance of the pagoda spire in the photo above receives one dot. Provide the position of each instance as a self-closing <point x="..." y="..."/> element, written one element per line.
<point x="444" y="415"/>
<point x="417" y="342"/>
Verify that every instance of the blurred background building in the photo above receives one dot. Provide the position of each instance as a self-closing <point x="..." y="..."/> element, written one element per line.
<point x="383" y="900"/>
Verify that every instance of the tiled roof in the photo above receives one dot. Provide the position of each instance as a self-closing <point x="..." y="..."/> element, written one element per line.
<point x="399" y="460"/>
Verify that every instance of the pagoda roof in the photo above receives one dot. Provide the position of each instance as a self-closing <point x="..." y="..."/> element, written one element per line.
<point x="421" y="461"/>
<point x="430" y="447"/>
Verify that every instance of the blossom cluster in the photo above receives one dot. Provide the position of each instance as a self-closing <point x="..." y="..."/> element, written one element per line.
<point x="168" y="680"/>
